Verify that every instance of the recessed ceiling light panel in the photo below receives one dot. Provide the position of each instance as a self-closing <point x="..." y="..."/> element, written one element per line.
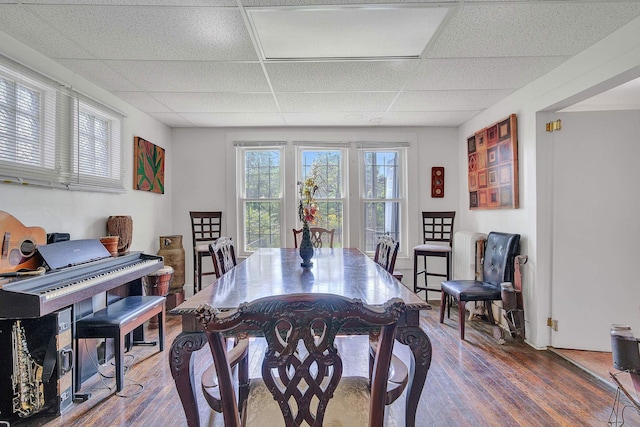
<point x="370" y="32"/>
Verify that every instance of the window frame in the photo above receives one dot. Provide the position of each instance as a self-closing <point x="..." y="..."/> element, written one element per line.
<point x="344" y="183"/>
<point x="402" y="192"/>
<point x="241" y="195"/>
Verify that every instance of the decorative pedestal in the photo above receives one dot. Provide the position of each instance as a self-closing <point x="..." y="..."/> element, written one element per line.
<point x="173" y="253"/>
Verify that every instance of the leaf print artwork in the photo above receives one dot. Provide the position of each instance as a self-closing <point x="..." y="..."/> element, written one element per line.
<point x="148" y="166"/>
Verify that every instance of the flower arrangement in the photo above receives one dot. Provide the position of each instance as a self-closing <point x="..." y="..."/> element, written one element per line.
<point x="307" y="207"/>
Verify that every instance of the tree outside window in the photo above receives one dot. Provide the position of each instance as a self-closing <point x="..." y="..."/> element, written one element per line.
<point x="326" y="167"/>
<point x="263" y="199"/>
<point x="381" y="194"/>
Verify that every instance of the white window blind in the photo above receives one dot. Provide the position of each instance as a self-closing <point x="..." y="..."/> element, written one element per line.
<point x="56" y="137"/>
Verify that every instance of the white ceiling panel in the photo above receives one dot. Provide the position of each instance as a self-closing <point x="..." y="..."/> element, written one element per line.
<point x="143" y="101"/>
<point x="172" y="119"/>
<point x="193" y="76"/>
<point x="22" y="24"/>
<point x="182" y="3"/>
<point x="481" y="73"/>
<point x="436" y="100"/>
<point x="100" y="73"/>
<point x="345" y="101"/>
<point x="234" y="119"/>
<point x="198" y="63"/>
<point x="218" y="102"/>
<point x="153" y="33"/>
<point x="345" y="32"/>
<point x="263" y="3"/>
<point x="344" y="76"/>
<point x="427" y="118"/>
<point x="529" y="28"/>
<point x="335" y="118"/>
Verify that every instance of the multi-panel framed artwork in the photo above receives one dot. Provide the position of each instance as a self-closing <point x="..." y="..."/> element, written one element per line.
<point x="148" y="166"/>
<point x="493" y="166"/>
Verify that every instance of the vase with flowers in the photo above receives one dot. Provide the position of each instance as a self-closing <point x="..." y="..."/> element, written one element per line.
<point x="308" y="214"/>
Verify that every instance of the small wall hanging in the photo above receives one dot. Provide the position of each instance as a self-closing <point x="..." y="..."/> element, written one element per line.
<point x="437" y="181"/>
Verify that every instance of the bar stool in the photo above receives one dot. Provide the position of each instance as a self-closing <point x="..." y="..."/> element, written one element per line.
<point x="437" y="237"/>
<point x="205" y="229"/>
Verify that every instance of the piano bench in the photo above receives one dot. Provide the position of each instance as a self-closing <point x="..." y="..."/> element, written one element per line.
<point x="116" y="321"/>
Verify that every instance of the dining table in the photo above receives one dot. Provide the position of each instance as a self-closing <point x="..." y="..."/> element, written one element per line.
<point x="277" y="271"/>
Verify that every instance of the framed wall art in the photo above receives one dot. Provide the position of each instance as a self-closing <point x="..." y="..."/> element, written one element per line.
<point x="493" y="166"/>
<point x="148" y="166"/>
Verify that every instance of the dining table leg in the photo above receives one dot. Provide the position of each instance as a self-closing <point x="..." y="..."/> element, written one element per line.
<point x="181" y="365"/>
<point x="420" y="345"/>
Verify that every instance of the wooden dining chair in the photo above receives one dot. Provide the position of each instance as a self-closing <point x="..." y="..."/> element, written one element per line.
<point x="223" y="253"/>
<point x="302" y="379"/>
<point x="386" y="254"/>
<point x="319" y="236"/>
<point x="205" y="229"/>
<point x="224" y="259"/>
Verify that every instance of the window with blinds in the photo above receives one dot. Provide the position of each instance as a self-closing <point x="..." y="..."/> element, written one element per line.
<point x="56" y="137"/>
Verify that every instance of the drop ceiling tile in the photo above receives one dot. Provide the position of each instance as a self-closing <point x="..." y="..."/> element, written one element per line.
<point x="99" y="73"/>
<point x="422" y="118"/>
<point x="262" y="3"/>
<point x="27" y="27"/>
<point x="386" y="31"/>
<point x="234" y="119"/>
<point x="448" y="100"/>
<point x="184" y="3"/>
<point x="143" y="102"/>
<point x="218" y="102"/>
<point x="338" y="76"/>
<point x="171" y="119"/>
<point x="481" y="73"/>
<point x="193" y="76"/>
<point x="529" y="28"/>
<point x="346" y="101"/>
<point x="153" y="33"/>
<point x="332" y="119"/>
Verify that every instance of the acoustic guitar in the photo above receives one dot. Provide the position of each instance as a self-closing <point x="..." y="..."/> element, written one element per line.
<point x="19" y="244"/>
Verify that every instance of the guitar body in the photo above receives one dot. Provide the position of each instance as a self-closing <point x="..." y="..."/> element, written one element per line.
<point x="19" y="244"/>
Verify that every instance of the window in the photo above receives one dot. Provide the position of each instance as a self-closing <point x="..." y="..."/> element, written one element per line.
<point x="381" y="195"/>
<point x="56" y="137"/>
<point x="326" y="167"/>
<point x="261" y="198"/>
<point x="20" y="123"/>
<point x="97" y="156"/>
<point x="267" y="196"/>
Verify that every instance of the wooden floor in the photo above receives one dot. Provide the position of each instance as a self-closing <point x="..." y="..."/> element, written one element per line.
<point x="476" y="382"/>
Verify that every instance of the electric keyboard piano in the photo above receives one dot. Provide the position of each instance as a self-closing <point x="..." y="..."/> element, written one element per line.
<point x="75" y="276"/>
<point x="43" y="309"/>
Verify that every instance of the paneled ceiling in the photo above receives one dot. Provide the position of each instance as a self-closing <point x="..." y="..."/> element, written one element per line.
<point x="201" y="63"/>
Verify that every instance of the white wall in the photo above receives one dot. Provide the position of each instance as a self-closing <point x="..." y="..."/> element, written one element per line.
<point x="615" y="58"/>
<point x="84" y="214"/>
<point x="204" y="168"/>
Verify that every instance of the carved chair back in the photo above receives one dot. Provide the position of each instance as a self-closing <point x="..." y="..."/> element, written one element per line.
<point x="386" y="253"/>
<point x="223" y="254"/>
<point x="301" y="366"/>
<point x="319" y="236"/>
